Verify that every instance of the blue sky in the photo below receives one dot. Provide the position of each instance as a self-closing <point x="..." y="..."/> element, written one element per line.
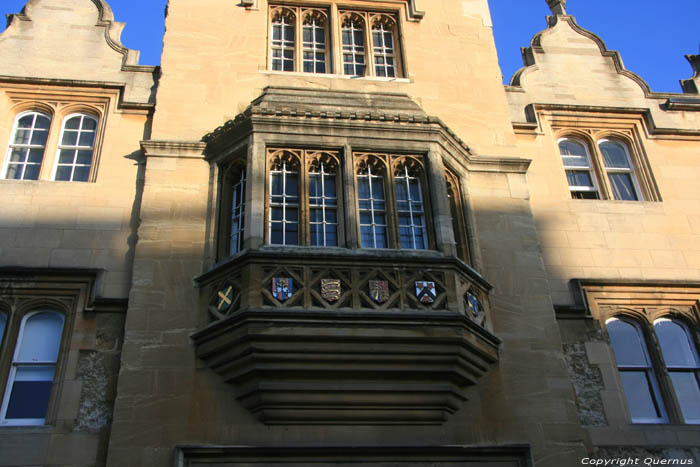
<point x="652" y="37"/>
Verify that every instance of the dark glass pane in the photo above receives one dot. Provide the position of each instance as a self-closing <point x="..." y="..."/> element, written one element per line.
<point x="66" y="156"/>
<point x="358" y="38"/>
<point x="331" y="216"/>
<point x="686" y="387"/>
<point x="36" y="155"/>
<point x="376" y="38"/>
<point x="308" y="34"/>
<point x="379" y="206"/>
<point x="579" y="178"/>
<point x="346" y="37"/>
<point x="406" y="240"/>
<point x="389" y="40"/>
<point x="573" y="154"/>
<point x="89" y="124"/>
<point x="292" y="214"/>
<point x="365" y="217"/>
<point x="14" y="172"/>
<point x="316" y="215"/>
<point x="276" y="214"/>
<point x="329" y="186"/>
<point x="73" y="123"/>
<point x="63" y="173"/>
<point x="276" y="32"/>
<point x="584" y="195"/>
<point x="404" y="220"/>
<point x="84" y="157"/>
<point x="70" y="138"/>
<point x="30" y="392"/>
<point x="367" y="237"/>
<point x="39" y="137"/>
<point x="276" y="184"/>
<point x="381" y="237"/>
<point x="316" y="235"/>
<point x="378" y="188"/>
<point x="420" y="240"/>
<point x="401" y="191"/>
<point x="27" y="121"/>
<point x="381" y="72"/>
<point x="639" y="395"/>
<point x="277" y="53"/>
<point x="42" y="123"/>
<point x="622" y="186"/>
<point x="292" y="237"/>
<point x="321" y="36"/>
<point x="308" y="66"/>
<point x="348" y="69"/>
<point x="289" y="33"/>
<point x="675" y="345"/>
<point x="320" y="67"/>
<point x="288" y="65"/>
<point x="627" y="344"/>
<point x="331" y="236"/>
<point x="614" y="155"/>
<point x="81" y="174"/>
<point x="18" y="155"/>
<point x="276" y="233"/>
<point x="22" y="136"/>
<point x="87" y="139"/>
<point x="363" y="188"/>
<point x="31" y="172"/>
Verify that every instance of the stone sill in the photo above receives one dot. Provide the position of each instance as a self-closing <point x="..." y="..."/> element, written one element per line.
<point x="300" y="74"/>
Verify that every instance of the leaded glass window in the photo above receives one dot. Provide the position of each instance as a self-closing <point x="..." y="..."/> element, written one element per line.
<point x="284" y="202"/>
<point x="353" y="39"/>
<point x="384" y="52"/>
<point x="283" y="40"/>
<point x="323" y="205"/>
<point x="410" y="209"/>
<point x="314" y="42"/>
<point x="372" y="207"/>
<point x="237" y="211"/>
<point x="27" y="147"/>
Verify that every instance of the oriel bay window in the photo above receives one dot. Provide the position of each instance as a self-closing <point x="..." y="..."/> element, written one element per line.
<point x="300" y="40"/>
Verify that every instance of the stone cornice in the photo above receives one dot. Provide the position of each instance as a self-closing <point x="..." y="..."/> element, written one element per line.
<point x="175" y="149"/>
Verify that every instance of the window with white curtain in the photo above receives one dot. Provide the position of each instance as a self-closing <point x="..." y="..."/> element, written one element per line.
<point x="27" y="146"/>
<point x="30" y="381"/>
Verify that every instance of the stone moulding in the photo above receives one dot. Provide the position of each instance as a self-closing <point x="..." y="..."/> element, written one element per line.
<point x="321" y="456"/>
<point x="317" y="367"/>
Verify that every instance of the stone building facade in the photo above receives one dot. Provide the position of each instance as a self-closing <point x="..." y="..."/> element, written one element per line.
<point x="308" y="239"/>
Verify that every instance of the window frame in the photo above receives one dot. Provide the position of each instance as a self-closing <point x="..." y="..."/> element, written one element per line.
<point x="598" y="170"/>
<point x="649" y="370"/>
<point x="335" y="49"/>
<point x="389" y="162"/>
<point x="11" y="144"/>
<point x="7" y="382"/>
<point x="305" y="158"/>
<point x="60" y="146"/>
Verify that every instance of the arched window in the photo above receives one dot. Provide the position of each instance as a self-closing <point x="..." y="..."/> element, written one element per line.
<point x="282" y="42"/>
<point x="638" y="379"/>
<point x="371" y="200"/>
<point x="410" y="209"/>
<point x="33" y="366"/>
<point x="284" y="199"/>
<point x="75" y="148"/>
<point x="383" y="44"/>
<point x="27" y="146"/>
<point x="323" y="202"/>
<point x="314" y="41"/>
<point x="579" y="169"/>
<point x="618" y="166"/>
<point x="237" y="220"/>
<point x="683" y="365"/>
<point x="353" y="39"/>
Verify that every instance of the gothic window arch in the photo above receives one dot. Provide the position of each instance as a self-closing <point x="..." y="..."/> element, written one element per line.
<point x="75" y="148"/>
<point x="353" y="32"/>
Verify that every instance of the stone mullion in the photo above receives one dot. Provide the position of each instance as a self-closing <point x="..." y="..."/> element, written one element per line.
<point x="256" y="208"/>
<point x="334" y="46"/>
<point x="304" y="217"/>
<point x="391" y="209"/>
<point x="369" y="49"/>
<point x="349" y="190"/>
<point x="440" y="206"/>
<point x="599" y="170"/>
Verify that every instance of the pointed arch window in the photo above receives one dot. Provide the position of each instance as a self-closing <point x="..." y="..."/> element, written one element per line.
<point x="283" y="38"/>
<point x="384" y="48"/>
<point x="635" y="367"/>
<point x="31" y="376"/>
<point x="353" y="37"/>
<point x="299" y="39"/>
<point x="76" y="148"/>
<point x="27" y="146"/>
<point x="681" y="359"/>
<point x="390" y="204"/>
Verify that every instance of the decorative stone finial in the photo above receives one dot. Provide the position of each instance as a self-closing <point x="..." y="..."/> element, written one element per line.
<point x="692" y="85"/>
<point x="558" y="7"/>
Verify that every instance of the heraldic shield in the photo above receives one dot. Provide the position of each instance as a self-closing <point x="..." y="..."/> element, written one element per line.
<point x="379" y="291"/>
<point x="282" y="288"/>
<point x="330" y="290"/>
<point x="425" y="291"/>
